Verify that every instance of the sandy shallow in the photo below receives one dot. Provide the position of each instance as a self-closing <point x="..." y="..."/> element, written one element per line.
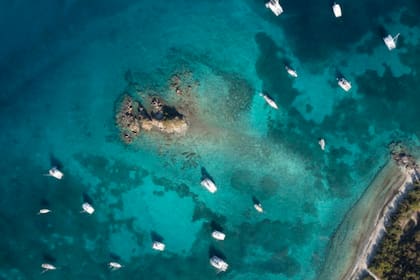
<point x="363" y="225"/>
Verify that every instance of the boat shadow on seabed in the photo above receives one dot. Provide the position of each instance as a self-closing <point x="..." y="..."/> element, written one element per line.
<point x="156" y="237"/>
<point x="205" y="174"/>
<point x="54" y="161"/>
<point x="214" y="252"/>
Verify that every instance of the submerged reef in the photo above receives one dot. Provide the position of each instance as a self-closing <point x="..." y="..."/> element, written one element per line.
<point x="132" y="118"/>
<point x="168" y="109"/>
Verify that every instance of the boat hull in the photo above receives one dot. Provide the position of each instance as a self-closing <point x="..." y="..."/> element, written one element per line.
<point x="218" y="263"/>
<point x="54" y="172"/>
<point x="321" y="143"/>
<point x="209" y="185"/>
<point x="291" y="72"/>
<point x="344" y="84"/>
<point x="337" y="10"/>
<point x="274" y="6"/>
<point x="158" y="246"/>
<point x="218" y="235"/>
<point x="270" y="102"/>
<point x="259" y="208"/>
<point x="88" y="208"/>
<point x="390" y="42"/>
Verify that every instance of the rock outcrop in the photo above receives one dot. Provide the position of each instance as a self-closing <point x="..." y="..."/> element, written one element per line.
<point x="133" y="118"/>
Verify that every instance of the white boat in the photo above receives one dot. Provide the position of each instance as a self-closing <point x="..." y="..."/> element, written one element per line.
<point x="337" y="10"/>
<point x="54" y="172"/>
<point x="321" y="143"/>
<point x="218" y="263"/>
<point x="269" y="101"/>
<point x="344" y="84"/>
<point x="47" y="267"/>
<point x="258" y="207"/>
<point x="391" y="42"/>
<point x="159" y="246"/>
<point x="87" y="208"/>
<point x="291" y="71"/>
<point x="274" y="6"/>
<point x="218" y="235"/>
<point x="209" y="185"/>
<point x="114" y="265"/>
<point x="43" y="211"/>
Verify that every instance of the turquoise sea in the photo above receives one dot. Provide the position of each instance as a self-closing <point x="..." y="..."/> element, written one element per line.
<point x="64" y="66"/>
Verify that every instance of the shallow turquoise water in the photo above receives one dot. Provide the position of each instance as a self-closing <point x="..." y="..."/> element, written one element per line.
<point x="60" y="90"/>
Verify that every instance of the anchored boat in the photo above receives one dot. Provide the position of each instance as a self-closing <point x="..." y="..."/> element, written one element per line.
<point x="291" y="71"/>
<point x="258" y="207"/>
<point x="209" y="185"/>
<point x="114" y="265"/>
<point x="269" y="100"/>
<point x="47" y="267"/>
<point x="218" y="235"/>
<point x="337" y="10"/>
<point x="54" y="172"/>
<point x="274" y="6"/>
<point x="87" y="208"/>
<point x="44" y="211"/>
<point x="158" y="246"/>
<point x="321" y="143"/>
<point x="218" y="263"/>
<point x="391" y="42"/>
<point x="344" y="84"/>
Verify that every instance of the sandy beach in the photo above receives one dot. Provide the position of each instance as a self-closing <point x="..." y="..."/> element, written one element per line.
<point x="363" y="225"/>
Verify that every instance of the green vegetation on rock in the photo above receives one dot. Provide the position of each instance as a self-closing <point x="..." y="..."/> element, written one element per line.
<point x="398" y="255"/>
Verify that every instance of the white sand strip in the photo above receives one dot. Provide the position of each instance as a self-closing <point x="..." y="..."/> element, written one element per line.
<point x="363" y="225"/>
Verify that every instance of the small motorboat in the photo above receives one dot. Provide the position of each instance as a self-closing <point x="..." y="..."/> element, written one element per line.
<point x="218" y="263"/>
<point x="258" y="207"/>
<point x="291" y="72"/>
<point x="209" y="185"/>
<point x="321" y="143"/>
<point x="87" y="208"/>
<point x="43" y="211"/>
<point x="47" y="267"/>
<point x="337" y="10"/>
<point x="54" y="172"/>
<point x="274" y="6"/>
<point x="270" y="101"/>
<point x="344" y="84"/>
<point x="391" y="42"/>
<point x="218" y="235"/>
<point x="158" y="246"/>
<point x="114" y="265"/>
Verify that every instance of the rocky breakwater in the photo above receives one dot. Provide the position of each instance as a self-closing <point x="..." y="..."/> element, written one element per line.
<point x="132" y="118"/>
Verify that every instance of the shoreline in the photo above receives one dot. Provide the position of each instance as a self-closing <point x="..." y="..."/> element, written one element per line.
<point x="363" y="226"/>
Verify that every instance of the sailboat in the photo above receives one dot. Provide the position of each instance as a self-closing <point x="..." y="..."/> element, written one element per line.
<point x="344" y="84"/>
<point x="274" y="6"/>
<point x="158" y="246"/>
<point x="337" y="10"/>
<point x="391" y="42"/>
<point x="269" y="100"/>
<point x="54" y="172"/>
<point x="209" y="185"/>
<point x="292" y="72"/>
<point x="218" y="235"/>
<point x="218" y="263"/>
